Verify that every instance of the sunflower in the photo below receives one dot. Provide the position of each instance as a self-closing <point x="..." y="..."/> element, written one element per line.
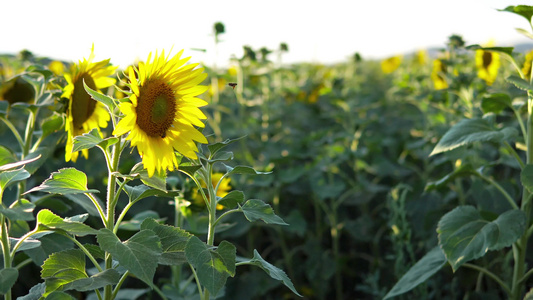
<point x="487" y="63"/>
<point x="163" y="110"/>
<point x="85" y="113"/>
<point x="223" y="189"/>
<point x="390" y="64"/>
<point x="526" y="69"/>
<point x="437" y="75"/>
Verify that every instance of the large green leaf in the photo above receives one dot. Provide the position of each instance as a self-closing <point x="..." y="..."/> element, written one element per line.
<point x="462" y="171"/>
<point x="139" y="192"/>
<point x="19" y="210"/>
<point x="92" y="139"/>
<point x="520" y="83"/>
<point x="213" y="148"/>
<point x="47" y="220"/>
<point x="173" y="241"/>
<point x="273" y="271"/>
<point x="495" y="103"/>
<point x="464" y="235"/>
<point x="105" y="100"/>
<point x="232" y="199"/>
<point x="63" y="268"/>
<point x="8" y="277"/>
<point x="96" y="281"/>
<point x="525" y="11"/>
<point x="139" y="254"/>
<point x="8" y="178"/>
<point x="65" y="181"/>
<point x="255" y="209"/>
<point x="469" y="131"/>
<point x="243" y="170"/>
<point x="430" y="264"/>
<point x="213" y="267"/>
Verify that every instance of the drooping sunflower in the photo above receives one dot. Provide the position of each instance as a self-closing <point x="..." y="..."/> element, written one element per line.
<point x="85" y="113"/>
<point x="390" y="64"/>
<point x="163" y="111"/>
<point x="438" y="73"/>
<point x="487" y="63"/>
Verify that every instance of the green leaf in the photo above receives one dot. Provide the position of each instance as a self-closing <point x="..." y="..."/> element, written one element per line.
<point x="190" y="169"/>
<point x="529" y="295"/>
<point x="157" y="181"/>
<point x="50" y="243"/>
<point x="139" y="254"/>
<point x="85" y="202"/>
<point x="526" y="177"/>
<point x="27" y="244"/>
<point x="57" y="295"/>
<point x="462" y="171"/>
<point x="173" y="241"/>
<point x="62" y="268"/>
<point x="97" y="281"/>
<point x="19" y="210"/>
<point x="243" y="170"/>
<point x="464" y="235"/>
<point x="52" y="124"/>
<point x="134" y="224"/>
<point x="47" y="220"/>
<point x="430" y="264"/>
<point x="221" y="156"/>
<point x="139" y="192"/>
<point x="7" y="156"/>
<point x="519" y="83"/>
<point x="65" y="181"/>
<point x="524" y="32"/>
<point x="525" y="11"/>
<point x="92" y="139"/>
<point x="255" y="209"/>
<point x="4" y="106"/>
<point x="503" y="50"/>
<point x="214" y="148"/>
<point x="496" y="103"/>
<point x="8" y="277"/>
<point x="213" y="267"/>
<point x="8" y="178"/>
<point x="468" y="131"/>
<point x="105" y="100"/>
<point x="273" y="271"/>
<point x="35" y="292"/>
<point x="232" y="199"/>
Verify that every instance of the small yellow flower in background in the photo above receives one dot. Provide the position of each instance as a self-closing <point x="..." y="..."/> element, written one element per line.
<point x="85" y="113"/>
<point x="487" y="63"/>
<point x="223" y="189"/>
<point x="164" y="110"/>
<point x="232" y="70"/>
<point x="56" y="67"/>
<point x="390" y="64"/>
<point x="421" y="57"/>
<point x="526" y="69"/>
<point x="437" y="75"/>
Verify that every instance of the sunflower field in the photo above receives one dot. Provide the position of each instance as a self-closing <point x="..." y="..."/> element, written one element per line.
<point x="405" y="178"/>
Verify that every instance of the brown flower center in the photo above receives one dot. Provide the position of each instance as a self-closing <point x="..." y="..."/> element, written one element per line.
<point x="487" y="59"/>
<point x="82" y="103"/>
<point x="156" y="108"/>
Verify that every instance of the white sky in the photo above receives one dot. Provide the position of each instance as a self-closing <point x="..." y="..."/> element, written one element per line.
<point x="315" y="31"/>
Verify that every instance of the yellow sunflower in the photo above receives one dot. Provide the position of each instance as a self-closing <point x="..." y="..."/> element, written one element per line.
<point x="390" y="64"/>
<point x="163" y="111"/>
<point x="223" y="189"/>
<point x="85" y="113"/>
<point x="526" y="69"/>
<point x="437" y="75"/>
<point x="487" y="63"/>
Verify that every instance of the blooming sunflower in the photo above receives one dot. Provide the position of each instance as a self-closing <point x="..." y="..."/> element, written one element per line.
<point x="487" y="63"/>
<point x="526" y="69"/>
<point x="163" y="110"/>
<point x="390" y="64"/>
<point x="437" y="75"/>
<point x="85" y="113"/>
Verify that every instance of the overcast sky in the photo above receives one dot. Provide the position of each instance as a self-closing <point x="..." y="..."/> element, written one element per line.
<point x="315" y="31"/>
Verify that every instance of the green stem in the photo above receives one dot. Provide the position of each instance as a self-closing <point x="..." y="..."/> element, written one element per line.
<point x="491" y="275"/>
<point x="197" y="283"/>
<point x="5" y="249"/>
<point x="515" y="155"/>
<point x="225" y="214"/>
<point x="98" y="207"/>
<point x="87" y="253"/>
<point x="501" y="189"/>
<point x="14" y="131"/>
<point x="119" y="284"/>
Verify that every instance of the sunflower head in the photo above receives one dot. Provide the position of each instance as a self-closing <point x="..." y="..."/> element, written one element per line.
<point x="390" y="64"/>
<point x="487" y="64"/>
<point x="83" y="112"/>
<point x="163" y="112"/>
<point x="438" y="73"/>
